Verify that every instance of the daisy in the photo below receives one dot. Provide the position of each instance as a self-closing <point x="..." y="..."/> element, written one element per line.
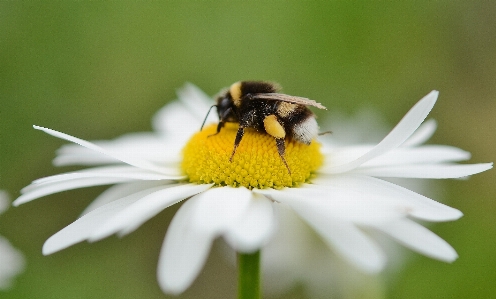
<point x="11" y="260"/>
<point x="338" y="191"/>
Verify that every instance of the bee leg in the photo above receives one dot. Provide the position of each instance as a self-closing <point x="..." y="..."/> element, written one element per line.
<point x="219" y="126"/>
<point x="274" y="128"/>
<point x="221" y="121"/>
<point x="281" y="148"/>
<point x="325" y="133"/>
<point x="239" y="136"/>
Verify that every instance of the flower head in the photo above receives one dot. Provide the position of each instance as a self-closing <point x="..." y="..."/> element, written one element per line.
<point x="11" y="260"/>
<point x="257" y="163"/>
<point x="339" y="191"/>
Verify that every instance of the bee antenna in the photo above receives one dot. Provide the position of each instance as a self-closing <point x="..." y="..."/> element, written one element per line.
<point x="206" y="116"/>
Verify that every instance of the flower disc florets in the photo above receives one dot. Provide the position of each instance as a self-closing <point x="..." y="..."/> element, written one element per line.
<point x="256" y="163"/>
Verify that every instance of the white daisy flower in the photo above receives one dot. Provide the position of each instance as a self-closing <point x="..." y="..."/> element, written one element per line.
<point x="338" y="191"/>
<point x="11" y="260"/>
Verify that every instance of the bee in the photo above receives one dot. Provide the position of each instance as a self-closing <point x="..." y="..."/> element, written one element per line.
<point x="258" y="105"/>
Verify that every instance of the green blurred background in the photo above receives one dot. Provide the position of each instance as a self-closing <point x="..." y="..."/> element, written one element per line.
<point x="98" y="70"/>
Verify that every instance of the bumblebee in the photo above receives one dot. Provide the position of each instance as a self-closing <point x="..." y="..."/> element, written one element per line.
<point x="258" y="105"/>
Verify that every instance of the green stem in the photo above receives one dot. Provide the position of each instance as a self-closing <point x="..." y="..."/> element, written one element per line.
<point x="249" y="275"/>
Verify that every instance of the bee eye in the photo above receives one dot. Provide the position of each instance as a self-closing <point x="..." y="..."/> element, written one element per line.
<point x="225" y="103"/>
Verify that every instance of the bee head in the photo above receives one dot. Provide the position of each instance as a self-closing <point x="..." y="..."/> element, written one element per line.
<point x="226" y="107"/>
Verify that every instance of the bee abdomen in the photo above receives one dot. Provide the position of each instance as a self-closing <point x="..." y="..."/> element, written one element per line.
<point x="305" y="130"/>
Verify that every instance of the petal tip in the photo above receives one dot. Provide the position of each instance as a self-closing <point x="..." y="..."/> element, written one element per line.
<point x="170" y="286"/>
<point x="170" y="289"/>
<point x="482" y="167"/>
<point x="46" y="249"/>
<point x="449" y="257"/>
<point x="431" y="97"/>
<point x="434" y="93"/>
<point x="457" y="215"/>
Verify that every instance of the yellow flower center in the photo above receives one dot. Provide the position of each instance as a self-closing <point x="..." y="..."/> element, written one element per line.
<point x="256" y="163"/>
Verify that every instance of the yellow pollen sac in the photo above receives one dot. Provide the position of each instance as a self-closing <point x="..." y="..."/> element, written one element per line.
<point x="256" y="163"/>
<point x="273" y="127"/>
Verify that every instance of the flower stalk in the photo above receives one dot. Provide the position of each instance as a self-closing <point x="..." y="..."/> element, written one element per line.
<point x="249" y="275"/>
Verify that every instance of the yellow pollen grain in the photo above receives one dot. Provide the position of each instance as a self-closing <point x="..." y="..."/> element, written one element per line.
<point x="256" y="163"/>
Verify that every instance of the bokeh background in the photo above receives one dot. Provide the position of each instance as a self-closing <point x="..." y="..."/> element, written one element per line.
<point x="98" y="70"/>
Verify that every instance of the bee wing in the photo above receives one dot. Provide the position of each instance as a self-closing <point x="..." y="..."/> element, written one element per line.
<point x="287" y="98"/>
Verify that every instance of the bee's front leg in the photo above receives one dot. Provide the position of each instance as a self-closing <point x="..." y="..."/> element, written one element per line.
<point x="221" y="121"/>
<point x="219" y="126"/>
<point x="239" y="136"/>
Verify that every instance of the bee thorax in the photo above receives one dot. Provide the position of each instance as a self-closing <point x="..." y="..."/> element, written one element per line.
<point x="285" y="109"/>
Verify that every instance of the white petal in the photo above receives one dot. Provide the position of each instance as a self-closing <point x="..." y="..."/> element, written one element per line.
<point x="349" y="242"/>
<point x="35" y="192"/>
<point x="429" y="171"/>
<point x="187" y="114"/>
<point x="82" y="228"/>
<point x="404" y="129"/>
<point x="195" y="100"/>
<point x="198" y="222"/>
<point x="129" y="160"/>
<point x="419" y="155"/>
<point x="346" y="238"/>
<point x="174" y="119"/>
<point x="218" y="208"/>
<point x="184" y="251"/>
<point x="342" y="235"/>
<point x="122" y="171"/>
<point x="364" y="126"/>
<point x="147" y="207"/>
<point x="254" y="228"/>
<point x="120" y="191"/>
<point x="12" y="263"/>
<point x="336" y="155"/>
<point x="341" y="203"/>
<point x="420" y="239"/>
<point x="423" y="133"/>
<point x="403" y="200"/>
<point x="398" y="156"/>
<point x="154" y="147"/>
<point x="74" y="154"/>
